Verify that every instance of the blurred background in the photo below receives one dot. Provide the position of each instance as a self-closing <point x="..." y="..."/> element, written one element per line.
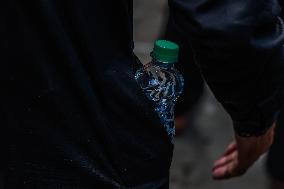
<point x="209" y="130"/>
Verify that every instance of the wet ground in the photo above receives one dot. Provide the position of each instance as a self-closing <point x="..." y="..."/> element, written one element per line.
<point x="208" y="136"/>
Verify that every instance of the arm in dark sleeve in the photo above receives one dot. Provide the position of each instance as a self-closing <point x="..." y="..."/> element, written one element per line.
<point x="238" y="45"/>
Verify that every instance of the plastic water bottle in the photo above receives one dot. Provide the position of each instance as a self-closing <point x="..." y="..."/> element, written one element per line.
<point x="162" y="83"/>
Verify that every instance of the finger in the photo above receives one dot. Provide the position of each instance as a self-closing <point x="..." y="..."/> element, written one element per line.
<point x="232" y="147"/>
<point x="227" y="156"/>
<point x="225" y="160"/>
<point x="220" y="173"/>
<point x="225" y="172"/>
<point x="233" y="169"/>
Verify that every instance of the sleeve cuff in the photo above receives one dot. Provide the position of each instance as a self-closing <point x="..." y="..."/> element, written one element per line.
<point x="262" y="117"/>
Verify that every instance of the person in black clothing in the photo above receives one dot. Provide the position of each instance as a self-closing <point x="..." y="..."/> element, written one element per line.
<point x="194" y="91"/>
<point x="214" y="47"/>
<point x="71" y="109"/>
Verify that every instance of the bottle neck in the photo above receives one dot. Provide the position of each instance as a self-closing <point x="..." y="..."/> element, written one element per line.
<point x="162" y="64"/>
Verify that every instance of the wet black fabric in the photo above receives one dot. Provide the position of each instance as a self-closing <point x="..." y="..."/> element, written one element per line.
<point x="72" y="115"/>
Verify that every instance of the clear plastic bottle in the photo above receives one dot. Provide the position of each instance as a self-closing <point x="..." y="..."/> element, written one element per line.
<point x="161" y="82"/>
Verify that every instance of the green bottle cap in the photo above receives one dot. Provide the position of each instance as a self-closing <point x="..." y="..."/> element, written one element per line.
<point x="165" y="51"/>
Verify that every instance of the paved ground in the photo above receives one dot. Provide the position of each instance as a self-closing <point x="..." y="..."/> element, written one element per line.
<point x="196" y="150"/>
